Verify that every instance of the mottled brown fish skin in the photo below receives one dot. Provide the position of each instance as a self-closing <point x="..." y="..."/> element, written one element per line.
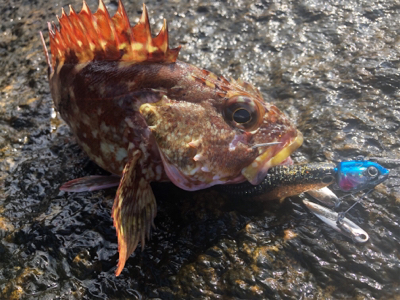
<point x="100" y="102"/>
<point x="140" y="113"/>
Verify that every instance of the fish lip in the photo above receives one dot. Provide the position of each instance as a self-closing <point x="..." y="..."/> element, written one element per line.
<point x="273" y="156"/>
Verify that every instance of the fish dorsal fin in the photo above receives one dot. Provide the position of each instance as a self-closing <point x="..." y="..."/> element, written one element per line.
<point x="87" y="36"/>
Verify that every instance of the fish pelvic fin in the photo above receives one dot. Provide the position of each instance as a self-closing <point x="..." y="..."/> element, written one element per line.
<point x="134" y="210"/>
<point x="86" y="36"/>
<point x="90" y="183"/>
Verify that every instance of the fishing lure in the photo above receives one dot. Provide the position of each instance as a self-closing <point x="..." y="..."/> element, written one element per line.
<point x="346" y="227"/>
<point x="284" y="181"/>
<point x="357" y="175"/>
<point x="350" y="176"/>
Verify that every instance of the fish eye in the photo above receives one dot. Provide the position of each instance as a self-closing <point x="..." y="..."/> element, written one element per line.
<point x="372" y="171"/>
<point x="241" y="116"/>
<point x="243" y="112"/>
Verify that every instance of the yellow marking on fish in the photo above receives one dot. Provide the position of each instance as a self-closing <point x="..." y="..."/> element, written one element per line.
<point x="210" y="84"/>
<point x="137" y="46"/>
<point x="121" y="228"/>
<point x="80" y="66"/>
<point x="212" y="76"/>
<point x="60" y="65"/>
<point x="190" y="77"/>
<point x="152" y="49"/>
<point x="103" y="44"/>
<point x="122" y="46"/>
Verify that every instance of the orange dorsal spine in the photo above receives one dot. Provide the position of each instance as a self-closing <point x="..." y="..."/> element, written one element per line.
<point x="87" y="36"/>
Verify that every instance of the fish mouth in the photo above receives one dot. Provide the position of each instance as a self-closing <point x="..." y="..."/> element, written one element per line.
<point x="272" y="157"/>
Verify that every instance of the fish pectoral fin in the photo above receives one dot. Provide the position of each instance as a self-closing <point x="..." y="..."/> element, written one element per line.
<point x="90" y="183"/>
<point x="134" y="209"/>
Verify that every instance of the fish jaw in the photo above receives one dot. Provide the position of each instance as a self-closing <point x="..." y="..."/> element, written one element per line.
<point x="273" y="156"/>
<point x="186" y="183"/>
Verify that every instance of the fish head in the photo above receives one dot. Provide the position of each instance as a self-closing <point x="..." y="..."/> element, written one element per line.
<point x="358" y="175"/>
<point x="220" y="140"/>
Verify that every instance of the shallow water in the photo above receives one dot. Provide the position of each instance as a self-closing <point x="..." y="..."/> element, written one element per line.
<point x="333" y="67"/>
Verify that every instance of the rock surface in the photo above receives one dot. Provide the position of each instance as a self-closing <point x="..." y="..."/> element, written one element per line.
<point x="333" y="67"/>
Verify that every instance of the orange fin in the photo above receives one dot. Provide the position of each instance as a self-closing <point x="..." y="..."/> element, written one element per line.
<point x="134" y="210"/>
<point x="85" y="37"/>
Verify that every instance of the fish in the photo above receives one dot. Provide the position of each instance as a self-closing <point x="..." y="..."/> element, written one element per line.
<point x="143" y="115"/>
<point x="346" y="226"/>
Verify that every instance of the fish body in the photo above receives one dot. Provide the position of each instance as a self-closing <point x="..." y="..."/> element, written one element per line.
<point x="145" y="116"/>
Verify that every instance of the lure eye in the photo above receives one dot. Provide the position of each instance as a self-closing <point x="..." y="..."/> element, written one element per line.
<point x="243" y="112"/>
<point x="372" y="171"/>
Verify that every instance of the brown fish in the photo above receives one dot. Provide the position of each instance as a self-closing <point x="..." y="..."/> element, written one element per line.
<point x="141" y="114"/>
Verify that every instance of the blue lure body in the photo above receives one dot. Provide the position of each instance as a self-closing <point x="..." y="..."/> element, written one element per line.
<point x="357" y="175"/>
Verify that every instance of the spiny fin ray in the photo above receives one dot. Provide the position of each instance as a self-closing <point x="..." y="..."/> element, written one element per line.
<point x="87" y="36"/>
<point x="134" y="209"/>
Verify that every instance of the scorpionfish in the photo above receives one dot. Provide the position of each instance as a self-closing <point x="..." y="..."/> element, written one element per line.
<point x="145" y="116"/>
